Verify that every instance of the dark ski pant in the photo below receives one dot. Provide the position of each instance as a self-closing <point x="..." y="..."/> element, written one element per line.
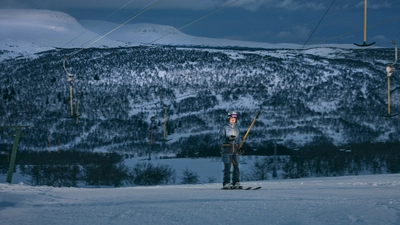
<point x="229" y="161"/>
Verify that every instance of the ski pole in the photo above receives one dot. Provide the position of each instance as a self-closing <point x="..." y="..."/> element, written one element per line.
<point x="248" y="131"/>
<point x="233" y="150"/>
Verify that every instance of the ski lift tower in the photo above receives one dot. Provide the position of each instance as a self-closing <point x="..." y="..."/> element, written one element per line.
<point x="389" y="70"/>
<point x="152" y="119"/>
<point x="274" y="172"/>
<point x="365" y="28"/>
<point x="14" y="150"/>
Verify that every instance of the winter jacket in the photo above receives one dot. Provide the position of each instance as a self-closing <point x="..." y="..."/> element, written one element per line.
<point x="225" y="133"/>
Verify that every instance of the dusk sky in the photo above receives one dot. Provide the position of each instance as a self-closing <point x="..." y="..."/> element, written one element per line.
<point x="269" y="21"/>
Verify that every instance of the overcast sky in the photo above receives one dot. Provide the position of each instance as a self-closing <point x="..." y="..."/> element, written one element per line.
<point x="270" y="21"/>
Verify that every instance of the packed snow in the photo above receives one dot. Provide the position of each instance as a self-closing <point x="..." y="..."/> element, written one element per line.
<point x="367" y="199"/>
<point x="364" y="199"/>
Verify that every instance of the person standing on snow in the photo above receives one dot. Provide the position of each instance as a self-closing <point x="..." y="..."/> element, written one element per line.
<point x="229" y="133"/>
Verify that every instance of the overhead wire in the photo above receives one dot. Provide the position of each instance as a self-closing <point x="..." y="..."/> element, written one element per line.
<point x="105" y="18"/>
<point x="337" y="36"/>
<point x="344" y="34"/>
<point x="148" y="7"/>
<point x="324" y="16"/>
<point x="358" y="29"/>
<point x="195" y="21"/>
<point x="318" y="24"/>
<point x="136" y="15"/>
<point x="340" y="12"/>
<point x="71" y="76"/>
<point x="189" y="24"/>
<point x="309" y="37"/>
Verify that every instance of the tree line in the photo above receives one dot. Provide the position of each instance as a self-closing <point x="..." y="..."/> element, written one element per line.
<point x="326" y="160"/>
<point x="76" y="168"/>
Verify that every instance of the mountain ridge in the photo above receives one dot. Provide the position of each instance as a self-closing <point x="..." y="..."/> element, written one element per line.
<point x="32" y="31"/>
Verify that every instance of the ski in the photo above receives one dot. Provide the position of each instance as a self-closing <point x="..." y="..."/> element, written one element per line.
<point x="231" y="188"/>
<point x="246" y="189"/>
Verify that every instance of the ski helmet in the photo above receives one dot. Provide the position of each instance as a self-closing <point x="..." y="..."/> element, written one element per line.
<point x="232" y="114"/>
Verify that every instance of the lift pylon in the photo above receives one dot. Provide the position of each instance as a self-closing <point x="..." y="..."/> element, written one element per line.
<point x="14" y="150"/>
<point x="365" y="28"/>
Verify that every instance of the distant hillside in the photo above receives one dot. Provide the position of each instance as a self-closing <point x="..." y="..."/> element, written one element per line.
<point x="320" y="95"/>
<point x="31" y="31"/>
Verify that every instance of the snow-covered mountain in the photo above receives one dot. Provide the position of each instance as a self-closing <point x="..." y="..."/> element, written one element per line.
<point x="32" y="31"/>
<point x="145" y="34"/>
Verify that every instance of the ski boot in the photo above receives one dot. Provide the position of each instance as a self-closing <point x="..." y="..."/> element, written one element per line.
<point x="237" y="185"/>
<point x="227" y="186"/>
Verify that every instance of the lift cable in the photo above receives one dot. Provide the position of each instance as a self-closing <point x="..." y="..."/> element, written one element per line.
<point x="195" y="21"/>
<point x="126" y="4"/>
<point x="318" y="24"/>
<point x="71" y="76"/>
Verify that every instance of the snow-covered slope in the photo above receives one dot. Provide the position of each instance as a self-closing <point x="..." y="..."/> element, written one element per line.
<point x="39" y="30"/>
<point x="372" y="199"/>
<point x="331" y="95"/>
<point x="145" y="33"/>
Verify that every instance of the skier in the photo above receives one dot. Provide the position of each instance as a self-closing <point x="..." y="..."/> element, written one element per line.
<point x="229" y="133"/>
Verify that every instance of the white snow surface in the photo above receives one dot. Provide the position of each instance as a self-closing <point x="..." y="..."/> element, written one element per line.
<point x="367" y="199"/>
